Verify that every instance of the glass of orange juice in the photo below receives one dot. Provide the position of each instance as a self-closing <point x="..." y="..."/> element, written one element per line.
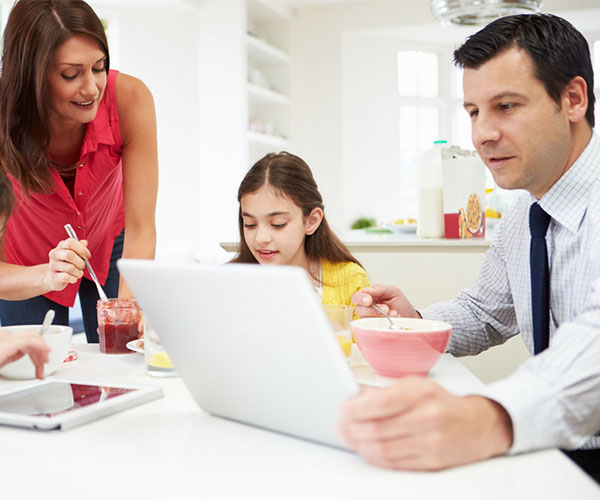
<point x="340" y="317"/>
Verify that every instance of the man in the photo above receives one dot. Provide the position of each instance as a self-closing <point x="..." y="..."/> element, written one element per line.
<point x="528" y="88"/>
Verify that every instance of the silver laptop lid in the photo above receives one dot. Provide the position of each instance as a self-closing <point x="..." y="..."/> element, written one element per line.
<point x="251" y="342"/>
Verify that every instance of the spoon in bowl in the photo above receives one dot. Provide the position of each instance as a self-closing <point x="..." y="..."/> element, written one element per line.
<point x="392" y="325"/>
<point x="47" y="321"/>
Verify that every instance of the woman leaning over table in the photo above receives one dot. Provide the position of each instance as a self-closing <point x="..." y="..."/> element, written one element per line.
<point x="78" y="142"/>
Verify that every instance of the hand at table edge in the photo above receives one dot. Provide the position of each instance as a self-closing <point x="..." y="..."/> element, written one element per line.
<point x="416" y="424"/>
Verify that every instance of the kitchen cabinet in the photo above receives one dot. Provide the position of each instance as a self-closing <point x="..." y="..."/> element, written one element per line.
<point x="269" y="78"/>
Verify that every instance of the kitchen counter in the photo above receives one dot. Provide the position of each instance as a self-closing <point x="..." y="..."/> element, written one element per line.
<point x="427" y="270"/>
<point x="361" y="241"/>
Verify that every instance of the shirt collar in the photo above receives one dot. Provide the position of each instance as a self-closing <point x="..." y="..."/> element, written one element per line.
<point x="575" y="186"/>
<point x="98" y="131"/>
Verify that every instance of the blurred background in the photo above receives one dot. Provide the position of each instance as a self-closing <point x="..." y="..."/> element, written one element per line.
<point x="359" y="89"/>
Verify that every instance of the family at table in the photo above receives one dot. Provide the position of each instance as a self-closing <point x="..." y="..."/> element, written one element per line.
<point x="78" y="145"/>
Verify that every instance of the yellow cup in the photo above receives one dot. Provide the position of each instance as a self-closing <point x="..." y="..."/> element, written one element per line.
<point x="340" y="317"/>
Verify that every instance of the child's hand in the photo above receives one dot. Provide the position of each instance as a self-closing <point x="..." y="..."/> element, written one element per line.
<point x="13" y="347"/>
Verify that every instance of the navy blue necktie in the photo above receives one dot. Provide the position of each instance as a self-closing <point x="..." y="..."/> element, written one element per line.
<point x="540" y="278"/>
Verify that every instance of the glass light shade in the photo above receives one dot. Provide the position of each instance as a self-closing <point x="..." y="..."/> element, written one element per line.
<point x="474" y="12"/>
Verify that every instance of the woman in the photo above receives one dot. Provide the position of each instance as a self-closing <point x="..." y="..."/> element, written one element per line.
<point x="79" y="144"/>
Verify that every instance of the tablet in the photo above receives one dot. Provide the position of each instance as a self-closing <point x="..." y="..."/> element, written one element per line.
<point x="59" y="404"/>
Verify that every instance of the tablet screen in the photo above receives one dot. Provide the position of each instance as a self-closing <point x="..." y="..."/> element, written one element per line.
<point x="55" y="398"/>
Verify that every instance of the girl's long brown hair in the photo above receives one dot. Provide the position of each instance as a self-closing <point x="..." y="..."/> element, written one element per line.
<point x="292" y="178"/>
<point x="34" y="30"/>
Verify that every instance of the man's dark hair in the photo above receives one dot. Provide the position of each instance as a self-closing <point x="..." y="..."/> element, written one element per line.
<point x="559" y="52"/>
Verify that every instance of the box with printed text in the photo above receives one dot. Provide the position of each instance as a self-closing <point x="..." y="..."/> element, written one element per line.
<point x="463" y="181"/>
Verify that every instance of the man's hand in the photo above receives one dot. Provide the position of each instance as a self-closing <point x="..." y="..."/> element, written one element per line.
<point x="417" y="425"/>
<point x="389" y="298"/>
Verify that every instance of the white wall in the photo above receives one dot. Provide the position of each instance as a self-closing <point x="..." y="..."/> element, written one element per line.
<point x="223" y="118"/>
<point x="372" y="179"/>
<point x="192" y="59"/>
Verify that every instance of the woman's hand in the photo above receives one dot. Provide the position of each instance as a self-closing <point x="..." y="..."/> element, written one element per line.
<point x="13" y="347"/>
<point x="389" y="298"/>
<point x="66" y="263"/>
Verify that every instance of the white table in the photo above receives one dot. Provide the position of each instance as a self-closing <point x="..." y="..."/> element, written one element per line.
<point x="170" y="449"/>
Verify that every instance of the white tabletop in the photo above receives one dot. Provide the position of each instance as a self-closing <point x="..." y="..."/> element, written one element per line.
<point x="169" y="448"/>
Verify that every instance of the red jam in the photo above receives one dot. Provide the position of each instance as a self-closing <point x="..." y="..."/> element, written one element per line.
<point x="119" y="322"/>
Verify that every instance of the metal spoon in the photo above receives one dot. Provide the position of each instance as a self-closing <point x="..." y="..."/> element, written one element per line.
<point x="47" y="321"/>
<point x="72" y="234"/>
<point x="392" y="325"/>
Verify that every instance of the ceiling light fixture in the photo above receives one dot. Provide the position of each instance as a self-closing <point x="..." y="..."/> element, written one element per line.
<point x="474" y="12"/>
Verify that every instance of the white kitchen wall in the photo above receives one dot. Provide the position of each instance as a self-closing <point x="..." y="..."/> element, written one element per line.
<point x="190" y="55"/>
<point x="372" y="178"/>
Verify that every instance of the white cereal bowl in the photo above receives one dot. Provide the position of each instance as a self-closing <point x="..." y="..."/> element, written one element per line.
<point x="57" y="337"/>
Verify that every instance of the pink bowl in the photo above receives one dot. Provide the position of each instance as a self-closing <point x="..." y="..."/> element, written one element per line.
<point x="413" y="350"/>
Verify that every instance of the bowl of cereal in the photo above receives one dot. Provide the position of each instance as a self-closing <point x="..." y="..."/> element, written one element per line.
<point x="412" y="350"/>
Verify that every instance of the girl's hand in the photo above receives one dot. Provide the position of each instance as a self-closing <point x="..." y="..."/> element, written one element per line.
<point x="66" y="263"/>
<point x="13" y="347"/>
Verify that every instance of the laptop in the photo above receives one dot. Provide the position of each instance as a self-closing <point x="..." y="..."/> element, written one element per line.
<point x="251" y="343"/>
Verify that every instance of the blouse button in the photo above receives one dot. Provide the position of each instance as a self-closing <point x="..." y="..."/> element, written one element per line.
<point x="79" y="227"/>
<point x="80" y="193"/>
<point x="80" y="164"/>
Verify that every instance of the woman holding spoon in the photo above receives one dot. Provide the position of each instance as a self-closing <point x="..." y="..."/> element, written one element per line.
<point x="79" y="144"/>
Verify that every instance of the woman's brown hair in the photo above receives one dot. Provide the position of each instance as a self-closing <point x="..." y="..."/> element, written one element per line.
<point x="292" y="178"/>
<point x="34" y="30"/>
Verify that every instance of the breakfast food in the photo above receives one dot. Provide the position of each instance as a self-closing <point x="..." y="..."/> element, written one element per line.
<point x="119" y="322"/>
<point x="473" y="213"/>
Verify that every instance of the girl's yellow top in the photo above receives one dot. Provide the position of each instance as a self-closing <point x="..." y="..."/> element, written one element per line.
<point x="340" y="281"/>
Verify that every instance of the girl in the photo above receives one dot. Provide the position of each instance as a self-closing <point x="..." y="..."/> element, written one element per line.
<point x="282" y="221"/>
<point x="79" y="144"/>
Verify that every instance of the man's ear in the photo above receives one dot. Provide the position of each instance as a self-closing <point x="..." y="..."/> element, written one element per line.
<point x="313" y="221"/>
<point x="575" y="99"/>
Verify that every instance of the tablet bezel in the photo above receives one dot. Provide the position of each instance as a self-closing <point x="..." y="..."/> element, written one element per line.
<point x="141" y="394"/>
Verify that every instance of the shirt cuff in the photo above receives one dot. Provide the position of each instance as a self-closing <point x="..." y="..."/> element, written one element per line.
<point x="534" y="408"/>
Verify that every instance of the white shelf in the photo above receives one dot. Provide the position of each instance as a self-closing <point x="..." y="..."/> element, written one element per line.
<point x="267" y="140"/>
<point x="264" y="53"/>
<point x="268" y="45"/>
<point x="265" y="10"/>
<point x="267" y="96"/>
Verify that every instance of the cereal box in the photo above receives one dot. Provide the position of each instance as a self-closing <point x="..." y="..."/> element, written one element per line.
<point x="463" y="180"/>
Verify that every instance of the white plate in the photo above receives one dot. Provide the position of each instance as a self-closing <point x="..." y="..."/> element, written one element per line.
<point x="403" y="228"/>
<point x="132" y="345"/>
